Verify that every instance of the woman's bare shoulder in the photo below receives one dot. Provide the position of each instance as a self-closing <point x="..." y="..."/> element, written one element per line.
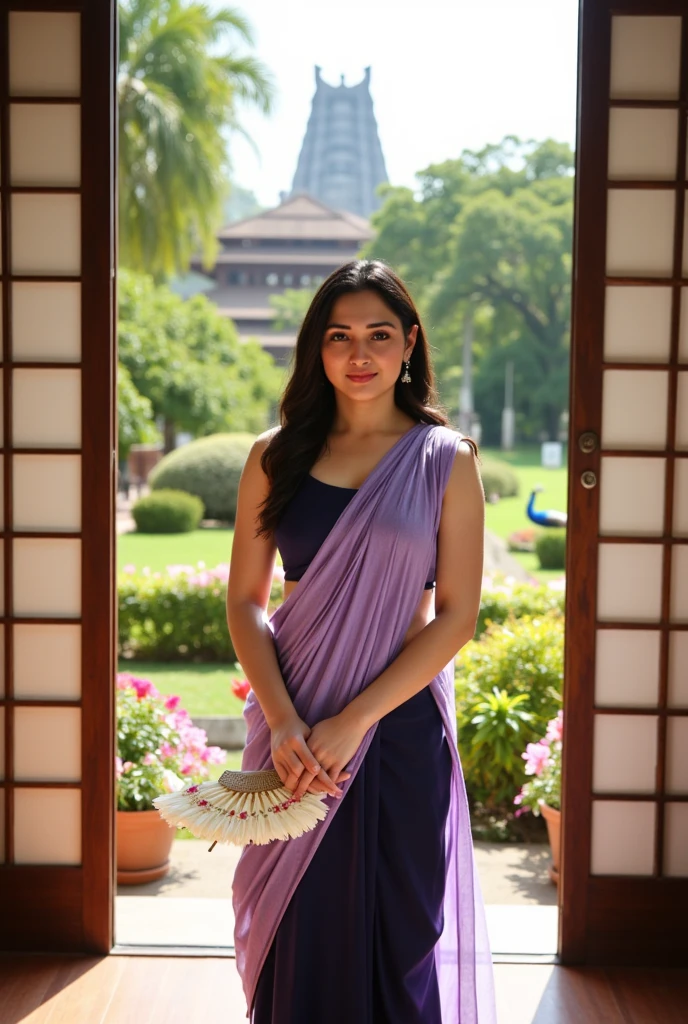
<point x="258" y="447"/>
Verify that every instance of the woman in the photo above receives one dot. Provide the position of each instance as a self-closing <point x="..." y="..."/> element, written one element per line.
<point x="375" y="916"/>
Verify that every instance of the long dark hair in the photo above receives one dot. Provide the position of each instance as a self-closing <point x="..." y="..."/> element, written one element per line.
<point x="308" y="405"/>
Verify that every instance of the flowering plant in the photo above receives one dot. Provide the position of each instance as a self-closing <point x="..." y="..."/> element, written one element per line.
<point x="158" y="747"/>
<point x="543" y="763"/>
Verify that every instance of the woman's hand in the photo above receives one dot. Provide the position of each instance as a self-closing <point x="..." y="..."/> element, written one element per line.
<point x="334" y="741"/>
<point x="295" y="762"/>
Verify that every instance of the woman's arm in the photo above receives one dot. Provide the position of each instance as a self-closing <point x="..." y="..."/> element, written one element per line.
<point x="460" y="544"/>
<point x="248" y="592"/>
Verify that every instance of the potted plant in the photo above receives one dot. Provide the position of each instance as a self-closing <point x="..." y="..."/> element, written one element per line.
<point x="542" y="793"/>
<point x="159" y="750"/>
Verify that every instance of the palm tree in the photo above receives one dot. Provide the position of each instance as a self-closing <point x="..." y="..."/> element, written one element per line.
<point x="177" y="94"/>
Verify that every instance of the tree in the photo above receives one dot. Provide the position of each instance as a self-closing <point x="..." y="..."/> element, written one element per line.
<point x="176" y="99"/>
<point x="494" y="229"/>
<point x="135" y="420"/>
<point x="291" y="307"/>
<point x="186" y="359"/>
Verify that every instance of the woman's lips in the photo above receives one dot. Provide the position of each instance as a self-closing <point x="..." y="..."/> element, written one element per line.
<point x="360" y="378"/>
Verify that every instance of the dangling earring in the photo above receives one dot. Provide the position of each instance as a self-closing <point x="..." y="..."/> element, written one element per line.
<point x="406" y="379"/>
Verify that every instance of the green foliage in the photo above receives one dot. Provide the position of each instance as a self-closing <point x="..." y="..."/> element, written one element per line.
<point x="179" y="616"/>
<point x="520" y="601"/>
<point x="186" y="359"/>
<point x="498" y="478"/>
<point x="167" y="511"/>
<point x="159" y="750"/>
<point x="522" y="657"/>
<point x="550" y="547"/>
<point x="177" y="95"/>
<point x="489" y="236"/>
<point x="209" y="467"/>
<point x="135" y="423"/>
<point x="492" y="732"/>
<point x="171" y="618"/>
<point x="543" y="768"/>
<point x="291" y="307"/>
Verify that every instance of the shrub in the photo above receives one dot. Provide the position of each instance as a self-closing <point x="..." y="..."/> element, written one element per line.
<point x="550" y="547"/>
<point x="208" y="467"/>
<point x="158" y="747"/>
<point x="178" y="616"/>
<point x="492" y="738"/>
<point x="519" y="600"/>
<point x="498" y="478"/>
<point x="543" y="766"/>
<point x="521" y="657"/>
<point x="167" y="511"/>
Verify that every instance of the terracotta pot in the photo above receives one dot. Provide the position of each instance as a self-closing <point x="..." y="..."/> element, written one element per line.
<point x="144" y="841"/>
<point x="553" y="818"/>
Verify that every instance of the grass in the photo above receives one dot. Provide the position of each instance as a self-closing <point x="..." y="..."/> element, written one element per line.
<point x="509" y="514"/>
<point x="211" y="545"/>
<point x="203" y="689"/>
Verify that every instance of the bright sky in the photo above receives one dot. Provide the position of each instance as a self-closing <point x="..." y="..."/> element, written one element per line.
<point x="445" y="77"/>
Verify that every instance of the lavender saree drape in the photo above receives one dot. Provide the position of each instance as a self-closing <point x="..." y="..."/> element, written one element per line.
<point x="334" y="634"/>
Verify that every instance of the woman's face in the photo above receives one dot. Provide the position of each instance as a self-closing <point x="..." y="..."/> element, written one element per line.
<point x="364" y="345"/>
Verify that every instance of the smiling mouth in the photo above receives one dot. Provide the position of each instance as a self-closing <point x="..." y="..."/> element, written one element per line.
<point x="360" y="378"/>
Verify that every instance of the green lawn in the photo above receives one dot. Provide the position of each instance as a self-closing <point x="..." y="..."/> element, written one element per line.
<point x="214" y="545"/>
<point x="509" y="514"/>
<point x="157" y="551"/>
<point x="204" y="689"/>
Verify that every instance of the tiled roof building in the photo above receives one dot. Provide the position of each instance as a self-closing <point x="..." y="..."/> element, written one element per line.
<point x="295" y="245"/>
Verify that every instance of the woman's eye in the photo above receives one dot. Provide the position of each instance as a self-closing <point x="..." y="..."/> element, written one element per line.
<point x="380" y="336"/>
<point x="337" y="336"/>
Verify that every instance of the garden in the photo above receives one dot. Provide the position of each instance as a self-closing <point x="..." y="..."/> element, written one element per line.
<point x="177" y="664"/>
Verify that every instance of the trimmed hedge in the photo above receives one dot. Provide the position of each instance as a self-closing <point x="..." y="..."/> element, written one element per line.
<point x="209" y="467"/>
<point x="550" y="547"/>
<point x="498" y="478"/>
<point x="180" y="617"/>
<point x="519" y="600"/>
<point x="167" y="511"/>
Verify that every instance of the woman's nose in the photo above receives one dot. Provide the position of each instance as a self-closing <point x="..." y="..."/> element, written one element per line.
<point x="359" y="352"/>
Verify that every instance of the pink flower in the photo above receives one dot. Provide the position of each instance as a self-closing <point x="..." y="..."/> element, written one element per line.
<point x="278" y="573"/>
<point x="167" y="750"/>
<point x="172" y="702"/>
<point x="127" y="765"/>
<point x="129" y="568"/>
<point x="555" y="729"/>
<point x="518" y="798"/>
<point x="536" y="757"/>
<point x="149" y="758"/>
<point x="118" y="766"/>
<point x="241" y="688"/>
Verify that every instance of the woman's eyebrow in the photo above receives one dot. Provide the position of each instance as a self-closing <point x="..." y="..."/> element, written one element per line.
<point x="347" y="327"/>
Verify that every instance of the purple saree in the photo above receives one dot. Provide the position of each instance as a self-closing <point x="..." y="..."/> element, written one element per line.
<point x="334" y="635"/>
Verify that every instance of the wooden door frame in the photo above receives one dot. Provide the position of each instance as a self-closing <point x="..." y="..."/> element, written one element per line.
<point x="602" y="917"/>
<point x="59" y="907"/>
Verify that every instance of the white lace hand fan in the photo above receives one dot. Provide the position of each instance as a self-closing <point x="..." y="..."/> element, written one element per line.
<point x="241" y="808"/>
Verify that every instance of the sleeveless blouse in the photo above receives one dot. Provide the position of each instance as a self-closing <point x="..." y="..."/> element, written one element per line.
<point x="306" y="521"/>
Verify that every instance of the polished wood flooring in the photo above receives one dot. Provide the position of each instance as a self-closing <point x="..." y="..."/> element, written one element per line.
<point x="47" y="989"/>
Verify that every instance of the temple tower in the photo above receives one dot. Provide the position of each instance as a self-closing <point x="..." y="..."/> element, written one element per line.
<point x="341" y="161"/>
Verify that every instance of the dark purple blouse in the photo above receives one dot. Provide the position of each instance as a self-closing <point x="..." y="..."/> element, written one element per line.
<point x="306" y="521"/>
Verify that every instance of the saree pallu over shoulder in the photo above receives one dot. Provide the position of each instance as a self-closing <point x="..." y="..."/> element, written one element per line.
<point x="334" y="634"/>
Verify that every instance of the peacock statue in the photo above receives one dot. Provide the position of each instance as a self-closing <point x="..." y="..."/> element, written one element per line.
<point x="548" y="517"/>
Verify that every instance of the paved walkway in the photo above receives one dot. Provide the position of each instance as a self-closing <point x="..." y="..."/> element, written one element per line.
<point x="510" y="873"/>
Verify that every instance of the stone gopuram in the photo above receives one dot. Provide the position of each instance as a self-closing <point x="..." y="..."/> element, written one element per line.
<point x="341" y="161"/>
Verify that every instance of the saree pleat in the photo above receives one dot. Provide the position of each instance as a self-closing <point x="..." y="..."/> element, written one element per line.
<point x="356" y="942"/>
<point x="334" y="634"/>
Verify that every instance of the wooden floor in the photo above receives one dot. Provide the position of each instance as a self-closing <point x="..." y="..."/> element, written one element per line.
<point x="42" y="989"/>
